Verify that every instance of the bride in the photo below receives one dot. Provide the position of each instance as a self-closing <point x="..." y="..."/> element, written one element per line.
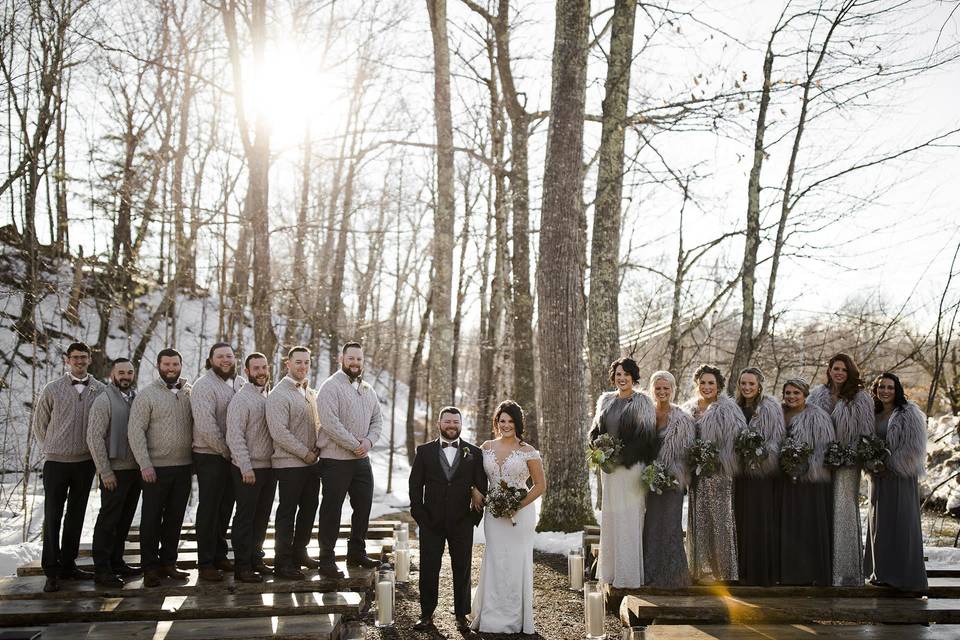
<point x="503" y="602"/>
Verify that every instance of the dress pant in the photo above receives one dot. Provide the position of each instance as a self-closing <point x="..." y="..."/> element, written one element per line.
<point x="117" y="509"/>
<point x="254" y="503"/>
<point x="161" y="515"/>
<point x="64" y="483"/>
<point x="214" y="506"/>
<point x="340" y="479"/>
<point x="460" y="540"/>
<point x="299" y="490"/>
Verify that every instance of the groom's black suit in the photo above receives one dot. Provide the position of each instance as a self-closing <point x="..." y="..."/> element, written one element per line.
<point x="440" y="503"/>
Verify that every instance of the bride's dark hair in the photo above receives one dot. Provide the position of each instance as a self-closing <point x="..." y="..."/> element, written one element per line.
<point x="513" y="410"/>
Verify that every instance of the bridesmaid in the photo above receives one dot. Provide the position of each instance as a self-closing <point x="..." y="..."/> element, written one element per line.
<point x="664" y="560"/>
<point x="628" y="415"/>
<point x="711" y="534"/>
<point x="851" y="409"/>
<point x="894" y="549"/>
<point x="756" y="492"/>
<point x="806" y="507"/>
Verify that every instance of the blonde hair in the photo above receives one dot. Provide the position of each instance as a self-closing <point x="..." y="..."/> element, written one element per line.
<point x="664" y="375"/>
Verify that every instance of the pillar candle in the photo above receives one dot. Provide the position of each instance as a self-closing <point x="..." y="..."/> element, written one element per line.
<point x="403" y="564"/>
<point x="575" y="569"/>
<point x="384" y="603"/>
<point x="595" y="614"/>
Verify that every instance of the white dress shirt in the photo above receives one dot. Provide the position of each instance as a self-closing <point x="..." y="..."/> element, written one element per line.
<point x="450" y="452"/>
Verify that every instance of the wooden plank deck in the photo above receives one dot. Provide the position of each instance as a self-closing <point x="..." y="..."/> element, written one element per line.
<point x="307" y="627"/>
<point x="939" y="588"/>
<point x="801" y="632"/>
<point x="766" y="610"/>
<point x="190" y="546"/>
<point x="372" y="534"/>
<point x="189" y="607"/>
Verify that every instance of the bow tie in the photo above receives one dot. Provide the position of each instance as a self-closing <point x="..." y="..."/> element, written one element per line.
<point x="84" y="382"/>
<point x="177" y="385"/>
<point x="444" y="445"/>
<point x="300" y="385"/>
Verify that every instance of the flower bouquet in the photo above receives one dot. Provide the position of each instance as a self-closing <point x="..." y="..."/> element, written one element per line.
<point x="703" y="457"/>
<point x="752" y="448"/>
<point x="656" y="479"/>
<point x="873" y="454"/>
<point x="504" y="500"/>
<point x="795" y="457"/>
<point x="604" y="452"/>
<point x="839" y="455"/>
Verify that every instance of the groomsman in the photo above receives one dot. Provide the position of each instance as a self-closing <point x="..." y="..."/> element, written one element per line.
<point x="60" y="427"/>
<point x="253" y="483"/>
<point x="160" y="432"/>
<point x="292" y="421"/>
<point x="350" y="423"/>
<point x="209" y="399"/>
<point x="119" y="475"/>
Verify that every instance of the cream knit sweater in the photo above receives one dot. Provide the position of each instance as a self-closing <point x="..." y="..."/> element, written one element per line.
<point x="161" y="426"/>
<point x="60" y="419"/>
<point x="247" y="434"/>
<point x="209" y="399"/>
<point x="292" y="420"/>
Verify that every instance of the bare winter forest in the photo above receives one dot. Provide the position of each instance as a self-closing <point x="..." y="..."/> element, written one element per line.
<point x="498" y="198"/>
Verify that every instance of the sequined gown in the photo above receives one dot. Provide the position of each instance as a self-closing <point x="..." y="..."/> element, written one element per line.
<point x="711" y="534"/>
<point x="503" y="601"/>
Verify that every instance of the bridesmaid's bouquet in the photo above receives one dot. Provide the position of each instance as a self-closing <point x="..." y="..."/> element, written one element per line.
<point x="656" y="479"/>
<point x="504" y="500"/>
<point x="839" y="455"/>
<point x="604" y="452"/>
<point x="703" y="457"/>
<point x="872" y="453"/>
<point x="752" y="448"/>
<point x="795" y="457"/>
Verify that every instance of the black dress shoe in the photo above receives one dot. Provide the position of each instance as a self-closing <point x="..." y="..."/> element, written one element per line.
<point x="126" y="571"/>
<point x="463" y="623"/>
<point x="51" y="585"/>
<point x="108" y="580"/>
<point x="329" y="570"/>
<point x="223" y="564"/>
<point x="289" y="573"/>
<point x="423" y="624"/>
<point x="362" y="561"/>
<point x="262" y="568"/>
<point x="247" y="575"/>
<point x="307" y="561"/>
<point x="76" y="574"/>
<point x="170" y="571"/>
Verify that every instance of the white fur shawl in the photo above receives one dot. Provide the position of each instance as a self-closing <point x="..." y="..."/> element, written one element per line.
<point x="907" y="441"/>
<point x="813" y="426"/>
<point x="678" y="435"/>
<point x="768" y="420"/>
<point x="851" y="418"/>
<point x="720" y="424"/>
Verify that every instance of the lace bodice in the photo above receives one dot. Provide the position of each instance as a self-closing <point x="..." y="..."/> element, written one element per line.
<point x="513" y="470"/>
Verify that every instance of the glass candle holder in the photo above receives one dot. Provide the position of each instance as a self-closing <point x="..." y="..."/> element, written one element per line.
<point x="634" y="633"/>
<point x="385" y="593"/>
<point x="353" y="630"/>
<point x="401" y="556"/>
<point x="401" y="533"/>
<point x="575" y="569"/>
<point x="594" y="610"/>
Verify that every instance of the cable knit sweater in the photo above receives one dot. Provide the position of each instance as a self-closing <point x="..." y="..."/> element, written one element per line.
<point x="161" y="426"/>
<point x="60" y="419"/>
<point x="209" y="399"/>
<point x="247" y="434"/>
<point x="98" y="435"/>
<point x="347" y="415"/>
<point x="292" y="422"/>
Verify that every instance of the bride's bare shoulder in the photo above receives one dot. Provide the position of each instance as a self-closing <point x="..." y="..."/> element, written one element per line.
<point x="487" y="444"/>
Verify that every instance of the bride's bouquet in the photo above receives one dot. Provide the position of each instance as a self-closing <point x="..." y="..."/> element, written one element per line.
<point x="839" y="455"/>
<point x="604" y="452"/>
<point x="703" y="457"/>
<point x="872" y="453"/>
<point x="795" y="457"/>
<point x="656" y="478"/>
<point x="752" y="448"/>
<point x="504" y="500"/>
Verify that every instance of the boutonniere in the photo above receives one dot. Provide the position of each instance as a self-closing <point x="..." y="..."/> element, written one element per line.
<point x="466" y="453"/>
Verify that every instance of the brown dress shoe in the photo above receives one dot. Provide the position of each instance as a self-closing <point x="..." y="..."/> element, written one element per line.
<point x="307" y="561"/>
<point x="151" y="578"/>
<point x="51" y="585"/>
<point x="108" y="580"/>
<point x="211" y="574"/>
<point x="330" y="570"/>
<point x="126" y="571"/>
<point x="289" y="573"/>
<point x="262" y="568"/>
<point x="247" y="575"/>
<point x="224" y="564"/>
<point x="170" y="571"/>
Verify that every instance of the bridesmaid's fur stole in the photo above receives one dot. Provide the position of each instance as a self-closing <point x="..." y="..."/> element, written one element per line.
<point x="813" y="426"/>
<point x="768" y="420"/>
<point x="720" y="424"/>
<point x="638" y="426"/>
<point x="678" y="435"/>
<point x="851" y="418"/>
<point x="907" y="441"/>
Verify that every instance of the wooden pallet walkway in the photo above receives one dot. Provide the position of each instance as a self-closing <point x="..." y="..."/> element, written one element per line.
<point x="374" y="533"/>
<point x="801" y="632"/>
<point x="939" y="588"/>
<point x="187" y="546"/>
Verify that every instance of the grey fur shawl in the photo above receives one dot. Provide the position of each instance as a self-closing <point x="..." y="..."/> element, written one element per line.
<point x="678" y="435"/>
<point x="720" y="424"/>
<point x="768" y="420"/>
<point x="813" y="426"/>
<point x="641" y="411"/>
<point x="907" y="441"/>
<point x="851" y="418"/>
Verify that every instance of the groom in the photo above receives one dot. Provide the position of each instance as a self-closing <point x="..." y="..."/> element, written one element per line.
<point x="444" y="474"/>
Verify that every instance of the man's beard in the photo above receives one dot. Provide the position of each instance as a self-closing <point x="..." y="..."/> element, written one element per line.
<point x="123" y="385"/>
<point x="260" y="381"/>
<point x="350" y="373"/>
<point x="170" y="380"/>
<point x="450" y="438"/>
<point x="231" y="373"/>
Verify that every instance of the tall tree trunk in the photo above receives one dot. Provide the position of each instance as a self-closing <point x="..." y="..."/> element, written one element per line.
<point x="441" y="329"/>
<point x="566" y="506"/>
<point x="299" y="277"/>
<point x="415" y="363"/>
<point x="603" y="336"/>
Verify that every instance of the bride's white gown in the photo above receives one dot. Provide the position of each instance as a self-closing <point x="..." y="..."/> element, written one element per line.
<point x="503" y="601"/>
